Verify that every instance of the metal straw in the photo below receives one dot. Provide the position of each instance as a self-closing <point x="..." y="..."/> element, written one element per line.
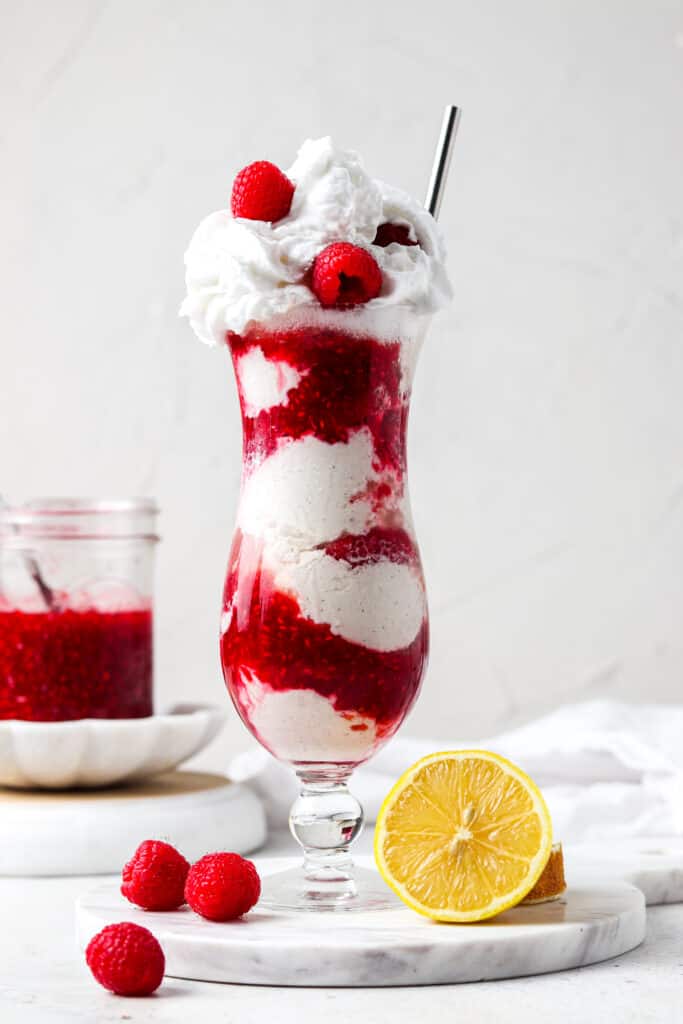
<point x="442" y="160"/>
<point x="33" y="569"/>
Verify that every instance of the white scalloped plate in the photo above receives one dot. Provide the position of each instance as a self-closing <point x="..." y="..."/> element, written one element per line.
<point x="103" y="751"/>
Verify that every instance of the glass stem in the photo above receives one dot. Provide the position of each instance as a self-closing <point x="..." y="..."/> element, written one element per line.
<point x="325" y="819"/>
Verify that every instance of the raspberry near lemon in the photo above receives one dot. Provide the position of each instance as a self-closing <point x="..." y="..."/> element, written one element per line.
<point x="462" y="836"/>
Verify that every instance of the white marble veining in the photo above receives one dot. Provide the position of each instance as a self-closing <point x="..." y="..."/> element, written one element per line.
<point x="103" y="751"/>
<point x="96" y="832"/>
<point x="385" y="948"/>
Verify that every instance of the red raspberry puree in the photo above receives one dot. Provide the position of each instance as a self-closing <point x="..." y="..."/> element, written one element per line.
<point x="346" y="383"/>
<point x="61" y="665"/>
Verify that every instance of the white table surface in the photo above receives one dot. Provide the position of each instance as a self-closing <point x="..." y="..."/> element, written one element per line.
<point x="43" y="979"/>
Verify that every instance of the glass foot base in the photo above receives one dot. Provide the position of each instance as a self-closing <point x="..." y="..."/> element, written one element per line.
<point x="291" y="891"/>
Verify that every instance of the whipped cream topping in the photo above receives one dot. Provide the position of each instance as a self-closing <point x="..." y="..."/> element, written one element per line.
<point x="243" y="271"/>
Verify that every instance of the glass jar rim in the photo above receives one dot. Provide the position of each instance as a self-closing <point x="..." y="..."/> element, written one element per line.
<point x="78" y="506"/>
<point x="81" y="518"/>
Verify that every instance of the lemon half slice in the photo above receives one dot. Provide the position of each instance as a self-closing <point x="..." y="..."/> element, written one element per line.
<point x="463" y="835"/>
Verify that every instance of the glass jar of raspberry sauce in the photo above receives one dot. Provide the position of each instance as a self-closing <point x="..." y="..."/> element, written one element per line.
<point x="76" y="594"/>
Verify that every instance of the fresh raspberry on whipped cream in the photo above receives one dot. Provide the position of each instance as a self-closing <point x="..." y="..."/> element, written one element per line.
<point x="388" y="233"/>
<point x="345" y="275"/>
<point x="261" y="192"/>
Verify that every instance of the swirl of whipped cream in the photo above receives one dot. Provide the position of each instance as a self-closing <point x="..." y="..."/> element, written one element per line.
<point x="242" y="271"/>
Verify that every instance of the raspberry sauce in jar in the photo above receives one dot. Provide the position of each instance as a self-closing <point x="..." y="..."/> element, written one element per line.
<point x="76" y="620"/>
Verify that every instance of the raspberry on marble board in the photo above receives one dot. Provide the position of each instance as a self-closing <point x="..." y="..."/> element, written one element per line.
<point x="222" y="886"/>
<point x="154" y="877"/>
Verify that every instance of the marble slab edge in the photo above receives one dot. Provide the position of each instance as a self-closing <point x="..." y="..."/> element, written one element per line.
<point x="389" y="948"/>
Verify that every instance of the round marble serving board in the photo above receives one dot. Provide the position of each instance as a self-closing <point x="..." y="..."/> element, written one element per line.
<point x="384" y="948"/>
<point x="91" y="832"/>
<point x="653" y="864"/>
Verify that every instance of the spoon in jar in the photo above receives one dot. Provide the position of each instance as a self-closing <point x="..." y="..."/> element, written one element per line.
<point x="32" y="566"/>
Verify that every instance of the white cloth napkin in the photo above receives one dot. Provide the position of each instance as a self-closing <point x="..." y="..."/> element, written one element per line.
<point x="606" y="769"/>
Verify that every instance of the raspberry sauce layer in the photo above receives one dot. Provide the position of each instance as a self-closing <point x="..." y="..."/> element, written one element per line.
<point x="346" y="383"/>
<point x="268" y="638"/>
<point x="63" y="665"/>
<point x="380" y="542"/>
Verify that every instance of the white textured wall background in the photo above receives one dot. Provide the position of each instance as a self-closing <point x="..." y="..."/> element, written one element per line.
<point x="547" y="430"/>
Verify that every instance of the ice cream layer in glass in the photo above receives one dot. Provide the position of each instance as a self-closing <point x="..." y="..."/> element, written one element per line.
<point x="321" y="283"/>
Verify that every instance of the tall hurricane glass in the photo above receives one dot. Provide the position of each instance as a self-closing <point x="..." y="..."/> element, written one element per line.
<point x="324" y="631"/>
